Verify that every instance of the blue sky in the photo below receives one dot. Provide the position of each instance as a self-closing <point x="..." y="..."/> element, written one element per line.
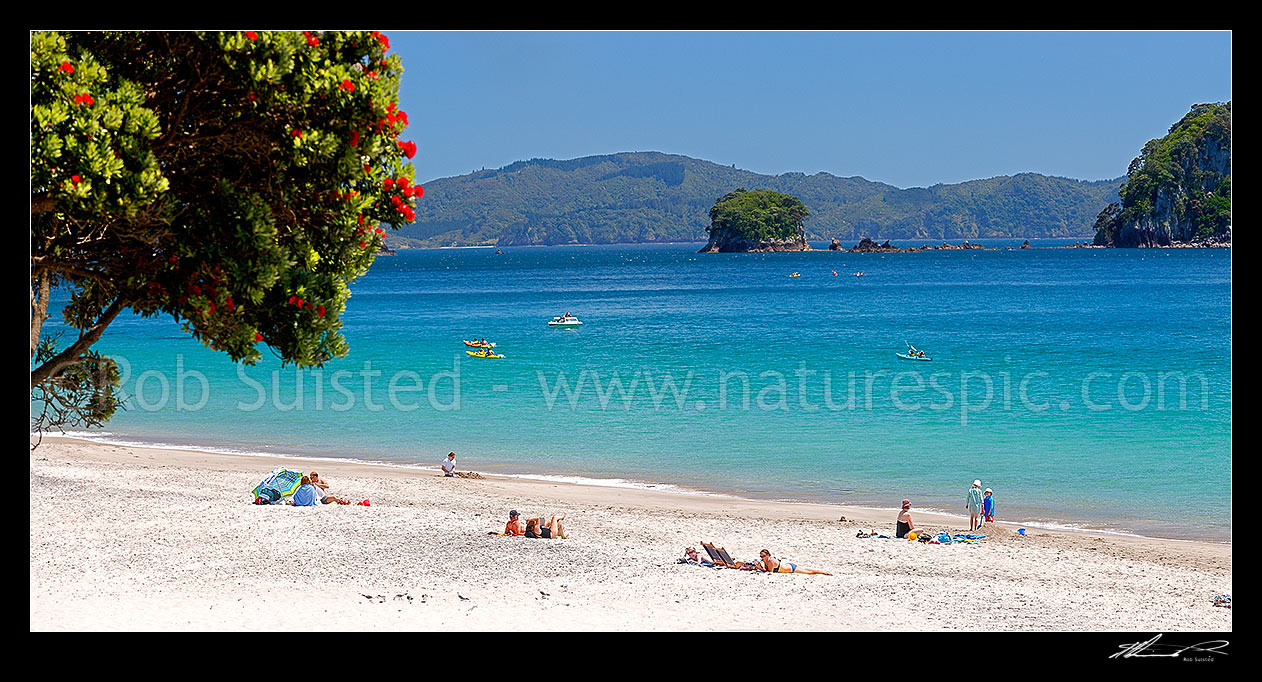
<point x="909" y="108"/>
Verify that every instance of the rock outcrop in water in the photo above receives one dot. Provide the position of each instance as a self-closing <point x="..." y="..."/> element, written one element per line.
<point x="1178" y="191"/>
<point x="867" y="245"/>
<point x="762" y="220"/>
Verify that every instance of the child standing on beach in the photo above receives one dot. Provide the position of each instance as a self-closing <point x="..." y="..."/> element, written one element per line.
<point x="988" y="506"/>
<point x="973" y="503"/>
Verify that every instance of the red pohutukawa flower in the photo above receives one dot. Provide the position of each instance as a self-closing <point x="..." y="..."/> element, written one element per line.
<point x="258" y="337"/>
<point x="84" y="99"/>
<point x="75" y="179"/>
<point x="418" y="191"/>
<point x="354" y="138"/>
<point x="347" y="85"/>
<point x="320" y="311"/>
<point x="381" y="38"/>
<point x="66" y="67"/>
<point x="409" y="148"/>
<point x="295" y="133"/>
<point x="252" y="35"/>
<point x="311" y="40"/>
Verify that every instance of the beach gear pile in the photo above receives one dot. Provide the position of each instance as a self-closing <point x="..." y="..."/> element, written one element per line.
<point x="958" y="538"/>
<point x="282" y="483"/>
<point x="1223" y="600"/>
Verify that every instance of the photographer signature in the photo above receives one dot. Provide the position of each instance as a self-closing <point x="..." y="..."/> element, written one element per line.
<point x="1138" y="649"/>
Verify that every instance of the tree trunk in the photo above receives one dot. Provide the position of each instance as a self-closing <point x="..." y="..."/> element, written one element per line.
<point x="39" y="308"/>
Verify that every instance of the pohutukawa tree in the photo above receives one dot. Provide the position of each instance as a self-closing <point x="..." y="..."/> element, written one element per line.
<point x="234" y="181"/>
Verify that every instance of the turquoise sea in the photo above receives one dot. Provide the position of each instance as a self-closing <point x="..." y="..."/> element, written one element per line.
<point x="1087" y="387"/>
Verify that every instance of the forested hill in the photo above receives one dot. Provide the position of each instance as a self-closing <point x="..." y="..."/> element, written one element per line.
<point x="654" y="197"/>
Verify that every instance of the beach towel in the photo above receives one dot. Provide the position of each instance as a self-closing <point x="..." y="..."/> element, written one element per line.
<point x="306" y="496"/>
<point x="281" y="481"/>
<point x="703" y="563"/>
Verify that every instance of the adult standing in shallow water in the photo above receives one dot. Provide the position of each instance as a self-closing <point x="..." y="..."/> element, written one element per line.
<point x="973" y="503"/>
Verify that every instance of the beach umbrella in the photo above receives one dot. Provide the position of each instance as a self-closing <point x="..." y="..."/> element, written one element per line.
<point x="281" y="480"/>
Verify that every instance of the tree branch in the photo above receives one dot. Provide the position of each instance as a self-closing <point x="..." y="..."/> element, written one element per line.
<point x="85" y="341"/>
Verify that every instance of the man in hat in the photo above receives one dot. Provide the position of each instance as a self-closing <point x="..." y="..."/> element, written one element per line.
<point x="514" y="527"/>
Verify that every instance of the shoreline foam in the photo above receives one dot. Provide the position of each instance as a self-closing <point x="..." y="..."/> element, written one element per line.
<point x="568" y="479"/>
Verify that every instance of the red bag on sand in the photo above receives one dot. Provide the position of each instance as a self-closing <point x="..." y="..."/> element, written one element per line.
<point x="363" y="504"/>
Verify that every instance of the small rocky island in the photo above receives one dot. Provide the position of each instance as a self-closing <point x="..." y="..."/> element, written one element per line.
<point x="756" y="221"/>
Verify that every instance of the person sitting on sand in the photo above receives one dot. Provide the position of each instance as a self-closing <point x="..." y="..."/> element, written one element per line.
<point x="904" y="525"/>
<point x="449" y="465"/>
<point x="552" y="529"/>
<point x="513" y="527"/>
<point x="322" y="490"/>
<point x="768" y="563"/>
<point x="306" y="495"/>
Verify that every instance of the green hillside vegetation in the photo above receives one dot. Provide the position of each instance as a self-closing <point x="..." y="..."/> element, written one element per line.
<point x="637" y="197"/>
<point x="1179" y="187"/>
<point x="762" y="214"/>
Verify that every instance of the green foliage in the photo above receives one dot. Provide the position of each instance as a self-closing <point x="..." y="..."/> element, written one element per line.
<point x="758" y="215"/>
<point x="1183" y="178"/>
<point x="84" y="394"/>
<point x="650" y="196"/>
<point x="233" y="181"/>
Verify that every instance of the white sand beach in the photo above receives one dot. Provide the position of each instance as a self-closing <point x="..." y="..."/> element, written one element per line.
<point x="129" y="538"/>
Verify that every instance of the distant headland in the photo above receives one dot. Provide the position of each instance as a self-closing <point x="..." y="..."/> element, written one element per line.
<point x="654" y="197"/>
<point x="1178" y="190"/>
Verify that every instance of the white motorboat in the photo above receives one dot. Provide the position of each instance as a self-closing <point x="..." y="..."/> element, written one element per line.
<point x="566" y="320"/>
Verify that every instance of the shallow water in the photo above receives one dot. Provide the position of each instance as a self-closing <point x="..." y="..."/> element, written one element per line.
<point x="1087" y="387"/>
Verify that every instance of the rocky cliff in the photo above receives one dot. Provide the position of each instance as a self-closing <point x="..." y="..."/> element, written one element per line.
<point x="1178" y="191"/>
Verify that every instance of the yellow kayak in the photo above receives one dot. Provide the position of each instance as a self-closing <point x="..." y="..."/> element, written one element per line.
<point x="484" y="354"/>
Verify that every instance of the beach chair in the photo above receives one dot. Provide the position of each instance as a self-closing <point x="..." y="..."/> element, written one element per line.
<point x="719" y="556"/>
<point x="714" y="555"/>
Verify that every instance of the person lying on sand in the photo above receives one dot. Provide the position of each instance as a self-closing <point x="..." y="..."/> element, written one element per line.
<point x="514" y="527"/>
<point x="322" y="490"/>
<point x="768" y="563"/>
<point x="552" y="529"/>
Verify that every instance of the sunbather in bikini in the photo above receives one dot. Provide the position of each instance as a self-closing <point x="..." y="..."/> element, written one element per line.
<point x="535" y="528"/>
<point x="768" y="563"/>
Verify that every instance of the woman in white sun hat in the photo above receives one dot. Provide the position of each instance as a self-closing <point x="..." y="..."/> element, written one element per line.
<point x="973" y="503"/>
